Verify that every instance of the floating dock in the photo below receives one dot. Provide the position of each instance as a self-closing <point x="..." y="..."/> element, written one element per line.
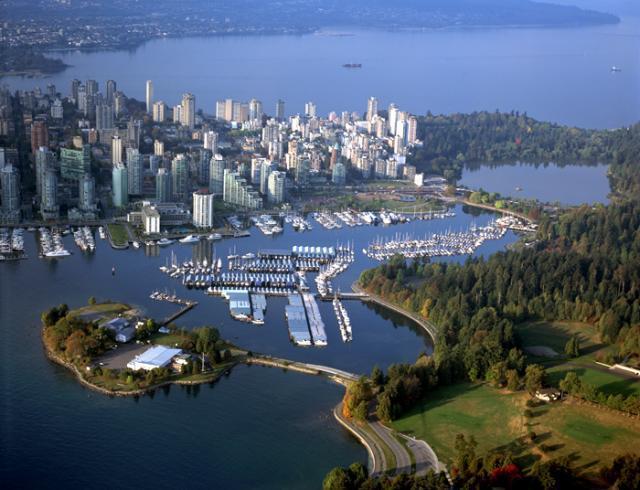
<point x="258" y="307"/>
<point x="297" y="321"/>
<point x="316" y="325"/>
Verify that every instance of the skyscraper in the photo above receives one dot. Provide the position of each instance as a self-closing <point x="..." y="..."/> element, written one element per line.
<point x="163" y="185"/>
<point x="119" y="103"/>
<point x="339" y="174"/>
<point x="255" y="109"/>
<point x="116" y="150"/>
<point x="280" y="110"/>
<point x="412" y="130"/>
<point x="149" y="95"/>
<point x="75" y="85"/>
<point x="372" y="108"/>
<point x="310" y="109"/>
<point x="45" y="160"/>
<point x="49" y="207"/>
<point x="159" y="112"/>
<point x="302" y="172"/>
<point x="203" y="209"/>
<point x="238" y="192"/>
<point x="39" y="135"/>
<point x="75" y="163"/>
<point x="135" y="167"/>
<point x="276" y="187"/>
<point x="120" y="185"/>
<point x="104" y="117"/>
<point x="158" y="148"/>
<point x="189" y="111"/>
<point x="87" y="193"/>
<point x="216" y="174"/>
<point x="10" y="180"/>
<point x="110" y="90"/>
<point x="220" y="108"/>
<point x="92" y="87"/>
<point x="266" y="168"/>
<point x="211" y="141"/>
<point x="180" y="177"/>
<point x="203" y="166"/>
<point x="134" y="129"/>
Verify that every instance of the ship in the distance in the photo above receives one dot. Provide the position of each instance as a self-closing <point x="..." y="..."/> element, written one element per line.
<point x="352" y="65"/>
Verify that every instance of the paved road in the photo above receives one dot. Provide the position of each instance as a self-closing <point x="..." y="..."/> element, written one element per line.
<point x="403" y="460"/>
<point x="424" y="456"/>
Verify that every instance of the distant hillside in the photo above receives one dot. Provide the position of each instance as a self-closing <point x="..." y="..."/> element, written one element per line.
<point x="314" y="14"/>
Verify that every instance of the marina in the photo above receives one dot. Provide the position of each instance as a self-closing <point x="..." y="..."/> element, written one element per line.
<point x="12" y="244"/>
<point x="51" y="245"/>
<point x="350" y="218"/>
<point x="344" y="322"/>
<point x="84" y="239"/>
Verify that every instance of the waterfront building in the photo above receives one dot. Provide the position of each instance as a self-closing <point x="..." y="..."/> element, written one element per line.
<point x="238" y="192"/>
<point x="204" y="164"/>
<point x="180" y="177"/>
<point x="280" y="110"/>
<point x="104" y="117"/>
<point x="188" y="116"/>
<point x="276" y="187"/>
<point x="158" y="148"/>
<point x="217" y="166"/>
<point x="151" y="220"/>
<point x="149" y="96"/>
<point x="49" y="207"/>
<point x="120" y="185"/>
<point x="87" y="193"/>
<point x="372" y="108"/>
<point x="211" y="141"/>
<point x="203" y="209"/>
<point x="163" y="185"/>
<point x="116" y="150"/>
<point x="135" y="168"/>
<point x="159" y="112"/>
<point x="339" y="174"/>
<point x="153" y="358"/>
<point x="75" y="163"/>
<point x="45" y="160"/>
<point x="10" y="180"/>
<point x="39" y="135"/>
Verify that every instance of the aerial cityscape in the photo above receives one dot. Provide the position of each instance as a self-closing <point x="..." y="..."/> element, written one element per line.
<point x="242" y="246"/>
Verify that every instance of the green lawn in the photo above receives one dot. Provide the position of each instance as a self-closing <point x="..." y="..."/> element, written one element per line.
<point x="479" y="410"/>
<point x="99" y="310"/>
<point x="604" y="381"/>
<point x="118" y="233"/>
<point x="556" y="334"/>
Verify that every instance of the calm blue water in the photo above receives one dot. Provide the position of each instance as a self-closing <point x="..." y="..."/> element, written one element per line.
<point x="560" y="75"/>
<point x="570" y="184"/>
<point x="258" y="428"/>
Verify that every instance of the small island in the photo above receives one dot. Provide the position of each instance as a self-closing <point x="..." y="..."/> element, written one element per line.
<point x="116" y="350"/>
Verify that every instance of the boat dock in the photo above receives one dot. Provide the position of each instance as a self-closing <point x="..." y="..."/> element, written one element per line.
<point x="258" y="307"/>
<point x="178" y="314"/>
<point x="316" y="325"/>
<point x="297" y="321"/>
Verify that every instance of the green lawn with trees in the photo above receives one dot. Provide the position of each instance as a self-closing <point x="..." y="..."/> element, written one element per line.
<point x="119" y="235"/>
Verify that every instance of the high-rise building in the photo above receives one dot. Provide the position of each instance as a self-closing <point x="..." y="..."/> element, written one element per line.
<point x="238" y="192"/>
<point x="310" y="109"/>
<point x="180" y="178"/>
<point x="412" y="130"/>
<point x="163" y="185"/>
<point x="217" y="166"/>
<point x="228" y="109"/>
<point x="303" y="169"/>
<point x="177" y="114"/>
<point x="189" y="111"/>
<point x="203" y="209"/>
<point x="220" y="108"/>
<point x="45" y="160"/>
<point x="49" y="207"/>
<point x="120" y="103"/>
<point x="256" y="169"/>
<point x="154" y="163"/>
<point x="255" y="110"/>
<point x="110" y="90"/>
<point x="104" y="117"/>
<point x="203" y="166"/>
<point x="280" y="110"/>
<point x="39" y="135"/>
<point x="10" y="180"/>
<point x="339" y="174"/>
<point x="87" y="193"/>
<point x="159" y="111"/>
<point x="158" y="148"/>
<point x="75" y="85"/>
<point x="57" y="110"/>
<point x="211" y="141"/>
<point x="120" y="185"/>
<point x="92" y="87"/>
<point x="276" y="187"/>
<point x="149" y="95"/>
<point x="135" y="168"/>
<point x="134" y="129"/>
<point x="265" y="170"/>
<point x="393" y="118"/>
<point x="372" y="108"/>
<point x="116" y="150"/>
<point x="75" y="163"/>
<point x="81" y="100"/>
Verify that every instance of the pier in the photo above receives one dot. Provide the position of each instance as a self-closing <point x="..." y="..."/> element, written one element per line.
<point x="353" y="296"/>
<point x="178" y="314"/>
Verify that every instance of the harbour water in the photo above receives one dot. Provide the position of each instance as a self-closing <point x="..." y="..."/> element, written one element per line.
<point x="559" y="75"/>
<point x="566" y="184"/>
<point x="56" y="433"/>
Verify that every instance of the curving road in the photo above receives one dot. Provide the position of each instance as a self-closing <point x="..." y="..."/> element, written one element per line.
<point x="425" y="457"/>
<point x="403" y="460"/>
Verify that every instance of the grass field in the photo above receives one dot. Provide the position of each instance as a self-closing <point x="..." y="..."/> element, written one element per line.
<point x="589" y="436"/>
<point x="555" y="335"/>
<point x="480" y="410"/>
<point x="99" y="310"/>
<point x="118" y="234"/>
